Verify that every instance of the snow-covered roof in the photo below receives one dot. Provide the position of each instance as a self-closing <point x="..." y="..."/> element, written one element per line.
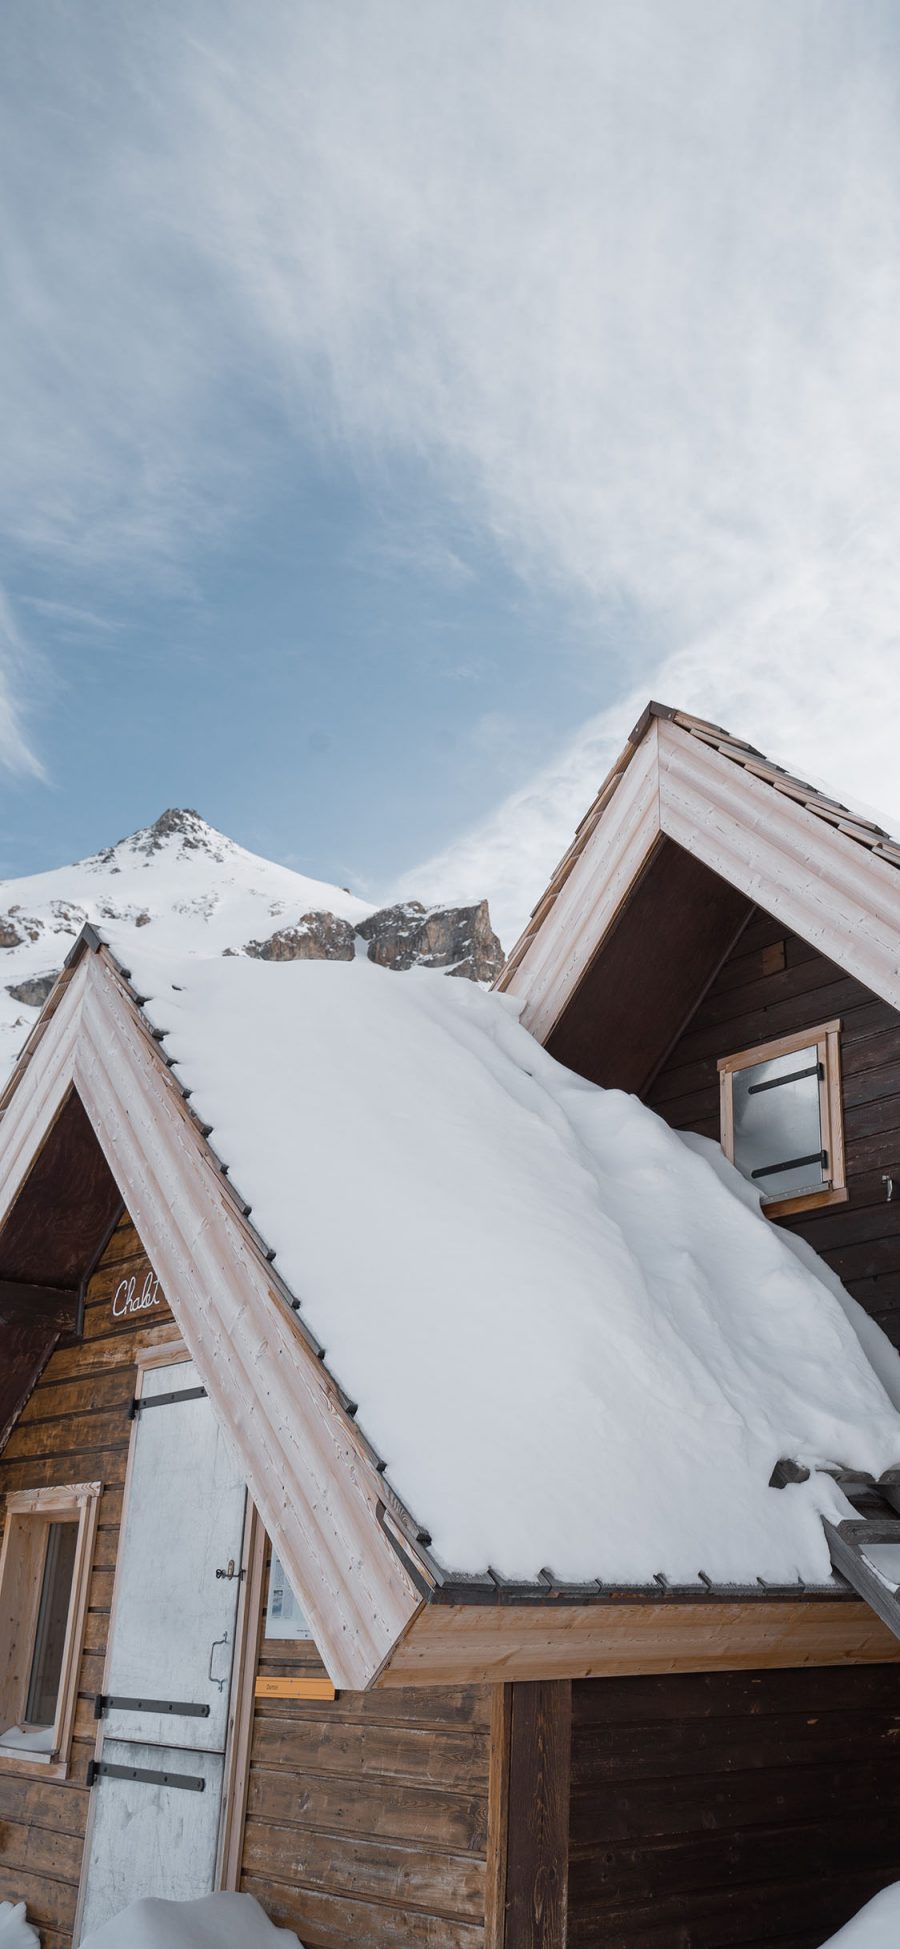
<point x="569" y="1331"/>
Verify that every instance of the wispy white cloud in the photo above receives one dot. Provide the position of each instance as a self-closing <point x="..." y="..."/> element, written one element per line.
<point x="69" y="615"/>
<point x="624" y="277"/>
<point x="17" y="755"/>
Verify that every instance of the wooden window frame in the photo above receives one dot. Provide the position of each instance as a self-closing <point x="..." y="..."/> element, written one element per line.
<point x="826" y="1037"/>
<point x="29" y="1514"/>
<point x="247" y="1687"/>
<point x="275" y="1639"/>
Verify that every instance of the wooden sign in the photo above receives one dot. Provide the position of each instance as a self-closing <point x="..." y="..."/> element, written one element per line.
<point x="295" y="1688"/>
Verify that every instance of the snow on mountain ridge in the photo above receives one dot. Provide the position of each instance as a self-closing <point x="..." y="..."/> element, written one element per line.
<point x="177" y="822"/>
<point x="198" y="891"/>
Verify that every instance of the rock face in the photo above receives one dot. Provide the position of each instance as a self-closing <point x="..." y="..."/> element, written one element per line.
<point x="459" y="939"/>
<point x="199" y="893"/>
<point x="34" y="992"/>
<point x="314" y="937"/>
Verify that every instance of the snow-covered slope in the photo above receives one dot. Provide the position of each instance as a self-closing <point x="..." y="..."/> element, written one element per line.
<point x="190" y="888"/>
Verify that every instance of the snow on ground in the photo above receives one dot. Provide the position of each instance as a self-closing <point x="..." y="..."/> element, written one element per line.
<point x="571" y="1334"/>
<point x="877" y="1926"/>
<point x="194" y="890"/>
<point x="212" y="1922"/>
<point x="16" y="1931"/>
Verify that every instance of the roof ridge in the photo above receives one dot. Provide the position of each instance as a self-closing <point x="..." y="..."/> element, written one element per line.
<point x="832" y="811"/>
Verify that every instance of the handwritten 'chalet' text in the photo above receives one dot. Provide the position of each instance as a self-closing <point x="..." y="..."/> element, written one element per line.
<point x="130" y="1298"/>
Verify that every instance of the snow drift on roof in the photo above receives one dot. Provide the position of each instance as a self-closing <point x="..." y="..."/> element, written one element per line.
<point x="571" y="1334"/>
<point x="877" y="1926"/>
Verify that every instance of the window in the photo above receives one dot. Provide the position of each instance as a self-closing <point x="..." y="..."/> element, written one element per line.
<point x="284" y="1616"/>
<point x="781" y="1119"/>
<point x="45" y="1566"/>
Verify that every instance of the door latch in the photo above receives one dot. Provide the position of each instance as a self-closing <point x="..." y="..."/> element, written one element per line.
<point x="221" y="1682"/>
<point x="230" y="1574"/>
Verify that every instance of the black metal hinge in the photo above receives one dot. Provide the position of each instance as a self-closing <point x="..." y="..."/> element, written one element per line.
<point x="778" y="1082"/>
<point x="113" y="1702"/>
<point x="166" y="1400"/>
<point x="105" y="1769"/>
<point x="792" y="1164"/>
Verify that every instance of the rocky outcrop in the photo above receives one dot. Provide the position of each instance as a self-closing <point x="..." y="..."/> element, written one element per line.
<point x="460" y="940"/>
<point x="34" y="992"/>
<point x="9" y="933"/>
<point x="314" y="937"/>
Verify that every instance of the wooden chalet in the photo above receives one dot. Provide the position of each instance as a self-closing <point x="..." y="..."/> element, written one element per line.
<point x="229" y="1656"/>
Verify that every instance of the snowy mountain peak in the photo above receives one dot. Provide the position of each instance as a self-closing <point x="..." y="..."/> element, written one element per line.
<point x="196" y="892"/>
<point x="178" y="830"/>
<point x="192" y="888"/>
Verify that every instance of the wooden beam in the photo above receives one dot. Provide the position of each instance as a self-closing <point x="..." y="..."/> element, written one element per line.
<point x="248" y="1631"/>
<point x="592" y="894"/>
<point x="22" y="1305"/>
<point x="538" y="1843"/>
<point x="472" y="1644"/>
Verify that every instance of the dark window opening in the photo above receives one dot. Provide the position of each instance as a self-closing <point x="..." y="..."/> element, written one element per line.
<point x="52" y="1622"/>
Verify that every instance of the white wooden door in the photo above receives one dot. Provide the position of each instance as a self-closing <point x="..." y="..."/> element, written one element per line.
<point x="157" y="1791"/>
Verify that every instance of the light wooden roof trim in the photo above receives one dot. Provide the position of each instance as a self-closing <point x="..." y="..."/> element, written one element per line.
<point x="340" y="1533"/>
<point x="829" y="874"/>
<point x="472" y="1644"/>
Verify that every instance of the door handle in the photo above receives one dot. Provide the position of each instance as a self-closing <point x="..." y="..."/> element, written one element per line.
<point x="212" y="1652"/>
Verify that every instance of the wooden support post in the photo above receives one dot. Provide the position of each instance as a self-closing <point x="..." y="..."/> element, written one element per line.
<point x="537" y="1848"/>
<point x="498" y="1818"/>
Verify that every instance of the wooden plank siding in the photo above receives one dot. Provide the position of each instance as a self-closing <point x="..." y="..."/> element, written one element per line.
<point x="367" y="1815"/>
<point x="538" y="1811"/>
<point x="773" y="983"/>
<point x="74" y="1428"/>
<point x="730" y="1809"/>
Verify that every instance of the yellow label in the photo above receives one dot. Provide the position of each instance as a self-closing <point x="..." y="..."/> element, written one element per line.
<point x="294" y="1688"/>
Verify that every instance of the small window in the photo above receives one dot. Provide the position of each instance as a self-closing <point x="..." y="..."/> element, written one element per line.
<point x="284" y="1615"/>
<point x="44" y="1570"/>
<point x="781" y="1119"/>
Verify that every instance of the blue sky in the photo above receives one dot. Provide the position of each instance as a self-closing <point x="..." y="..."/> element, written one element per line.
<point x="338" y="701"/>
<point x="395" y="397"/>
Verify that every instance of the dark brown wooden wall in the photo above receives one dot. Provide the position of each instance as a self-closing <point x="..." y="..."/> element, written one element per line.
<point x="537" y="1842"/>
<point x="772" y="984"/>
<point x="725" y="1810"/>
<point x="74" y="1428"/>
<point x="367" y="1816"/>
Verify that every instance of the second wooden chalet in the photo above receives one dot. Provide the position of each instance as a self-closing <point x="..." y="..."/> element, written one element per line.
<point x="441" y="1497"/>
